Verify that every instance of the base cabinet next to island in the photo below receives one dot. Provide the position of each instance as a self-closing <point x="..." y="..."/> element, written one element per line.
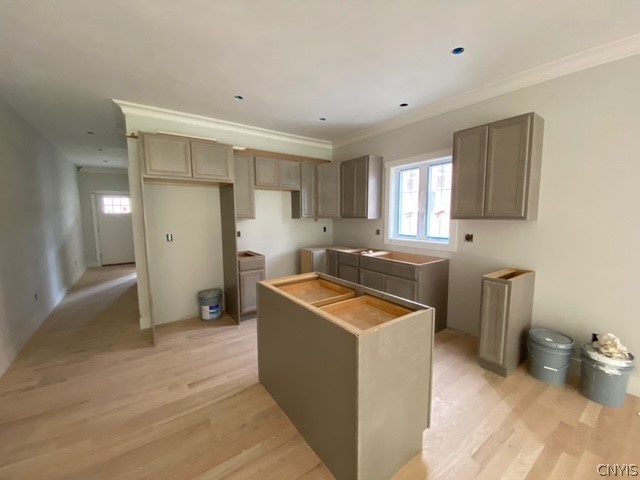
<point x="351" y="367"/>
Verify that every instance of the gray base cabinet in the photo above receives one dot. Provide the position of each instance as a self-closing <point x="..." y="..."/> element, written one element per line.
<point x="505" y="319"/>
<point x="496" y="169"/>
<point x="251" y="270"/>
<point x="351" y="368"/>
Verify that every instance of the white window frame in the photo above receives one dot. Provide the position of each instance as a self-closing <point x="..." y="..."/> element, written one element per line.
<point x="391" y="205"/>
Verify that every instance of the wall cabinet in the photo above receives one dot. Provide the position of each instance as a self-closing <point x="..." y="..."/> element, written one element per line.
<point x="277" y="174"/>
<point x="361" y="187"/>
<point x="328" y="190"/>
<point x="173" y="157"/>
<point x="303" y="201"/>
<point x="505" y="319"/>
<point x="251" y="270"/>
<point x="244" y="186"/>
<point x="496" y="169"/>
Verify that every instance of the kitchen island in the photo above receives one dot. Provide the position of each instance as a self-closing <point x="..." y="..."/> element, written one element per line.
<point x="351" y="367"/>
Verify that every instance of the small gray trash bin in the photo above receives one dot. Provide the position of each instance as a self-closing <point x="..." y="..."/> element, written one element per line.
<point x="604" y="379"/>
<point x="549" y="355"/>
<point x="209" y="301"/>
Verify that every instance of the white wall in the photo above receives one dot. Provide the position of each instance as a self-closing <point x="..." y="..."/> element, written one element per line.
<point x="275" y="234"/>
<point x="148" y="120"/>
<point x="40" y="234"/>
<point x="193" y="260"/>
<point x="92" y="180"/>
<point x="583" y="246"/>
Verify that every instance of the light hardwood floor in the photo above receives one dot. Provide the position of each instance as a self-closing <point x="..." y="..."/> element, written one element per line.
<point x="90" y="398"/>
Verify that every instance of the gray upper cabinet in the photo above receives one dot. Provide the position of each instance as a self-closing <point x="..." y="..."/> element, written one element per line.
<point x="174" y="157"/>
<point x="328" y="190"/>
<point x="266" y="172"/>
<point x="244" y="186"/>
<point x="303" y="201"/>
<point x="288" y="175"/>
<point x="277" y="174"/>
<point x="212" y="160"/>
<point x="361" y="187"/>
<point x="496" y="169"/>
<point x="166" y="156"/>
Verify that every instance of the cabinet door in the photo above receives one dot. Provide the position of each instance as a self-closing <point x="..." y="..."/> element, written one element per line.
<point x="361" y="187"/>
<point x="348" y="272"/>
<point x="372" y="279"/>
<point x="212" y="160"/>
<point x="303" y="202"/>
<point x="289" y="175"/>
<point x="347" y="185"/>
<point x="493" y="318"/>
<point x="507" y="168"/>
<point x="166" y="156"/>
<point x="401" y="288"/>
<point x="332" y="263"/>
<point x="328" y="181"/>
<point x="243" y="186"/>
<point x="469" y="169"/>
<point x="266" y="172"/>
<point x="248" y="290"/>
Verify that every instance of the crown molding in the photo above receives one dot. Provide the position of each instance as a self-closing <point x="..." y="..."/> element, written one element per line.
<point x="131" y="108"/>
<point x="592" y="57"/>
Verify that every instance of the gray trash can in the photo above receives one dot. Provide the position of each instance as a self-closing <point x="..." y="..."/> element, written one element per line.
<point x="209" y="301"/>
<point x="549" y="355"/>
<point x="604" y="379"/>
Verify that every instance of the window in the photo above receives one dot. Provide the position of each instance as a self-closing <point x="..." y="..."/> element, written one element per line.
<point x="116" y="205"/>
<point x="419" y="202"/>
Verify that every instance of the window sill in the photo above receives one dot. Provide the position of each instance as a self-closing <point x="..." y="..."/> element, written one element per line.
<point x="421" y="244"/>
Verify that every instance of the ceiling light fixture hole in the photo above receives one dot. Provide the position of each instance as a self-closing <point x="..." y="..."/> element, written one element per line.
<point x="404" y="105"/>
<point x="238" y="97"/>
<point x="457" y="51"/>
<point x="91" y="133"/>
<point x="323" y="119"/>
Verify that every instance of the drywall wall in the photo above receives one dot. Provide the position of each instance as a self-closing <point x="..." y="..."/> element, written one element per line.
<point x="93" y="180"/>
<point x="154" y="120"/>
<point x="41" y="233"/>
<point x="192" y="261"/>
<point x="583" y="245"/>
<point x="279" y="237"/>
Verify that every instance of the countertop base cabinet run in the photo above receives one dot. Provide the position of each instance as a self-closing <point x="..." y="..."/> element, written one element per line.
<point x="340" y="385"/>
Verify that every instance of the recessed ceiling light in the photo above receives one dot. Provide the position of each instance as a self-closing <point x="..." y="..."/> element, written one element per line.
<point x="99" y="149"/>
<point x="457" y="51"/>
<point x="238" y="97"/>
<point x="322" y="119"/>
<point x="91" y="133"/>
<point x="404" y="105"/>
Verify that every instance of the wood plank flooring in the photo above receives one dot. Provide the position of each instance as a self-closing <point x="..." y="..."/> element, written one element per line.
<point x="90" y="398"/>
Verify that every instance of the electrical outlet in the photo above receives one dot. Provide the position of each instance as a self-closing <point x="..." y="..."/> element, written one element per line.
<point x="238" y="233"/>
<point x="377" y="231"/>
<point x="324" y="229"/>
<point x="468" y="237"/>
<point x="35" y="297"/>
<point x="169" y="237"/>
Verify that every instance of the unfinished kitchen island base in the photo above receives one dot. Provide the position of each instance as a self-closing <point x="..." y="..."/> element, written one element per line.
<point x="354" y="375"/>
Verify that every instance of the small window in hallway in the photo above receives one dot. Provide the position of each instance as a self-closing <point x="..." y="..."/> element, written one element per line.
<point x="116" y="205"/>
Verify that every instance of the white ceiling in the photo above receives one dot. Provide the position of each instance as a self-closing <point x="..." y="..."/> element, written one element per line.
<point x="351" y="61"/>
